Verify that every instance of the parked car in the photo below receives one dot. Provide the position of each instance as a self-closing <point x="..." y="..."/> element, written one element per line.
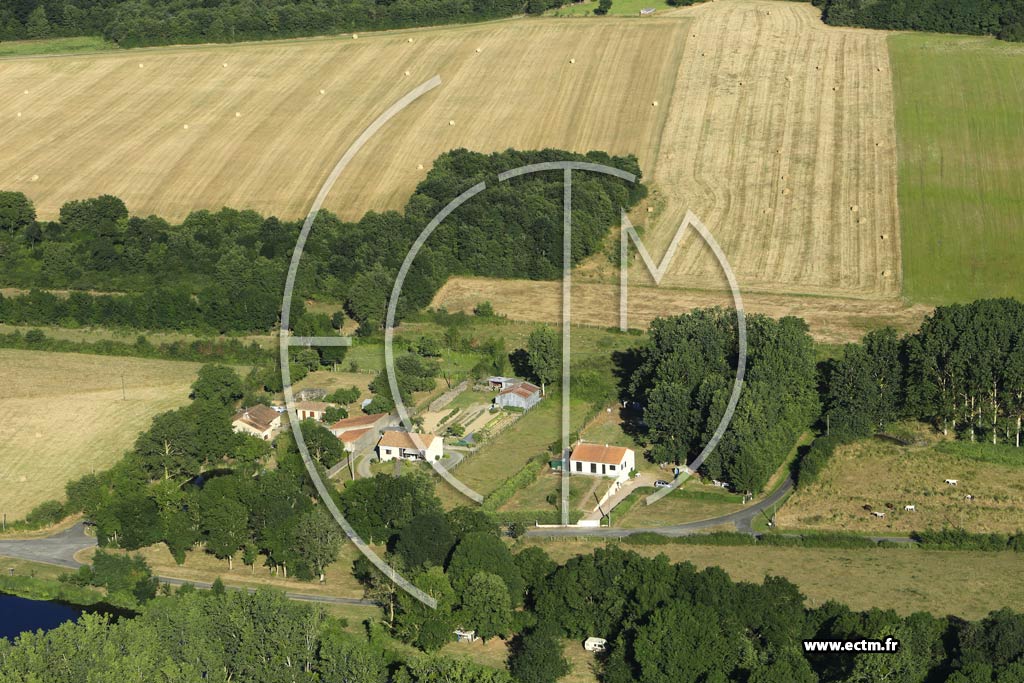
<point x="661" y="484"/>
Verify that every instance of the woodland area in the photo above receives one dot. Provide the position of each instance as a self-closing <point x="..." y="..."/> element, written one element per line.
<point x="224" y="271"/>
<point x="137" y="23"/>
<point x="1003" y="19"/>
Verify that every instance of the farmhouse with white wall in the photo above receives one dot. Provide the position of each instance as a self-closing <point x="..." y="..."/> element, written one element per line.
<point x="602" y="460"/>
<point x="409" y="446"/>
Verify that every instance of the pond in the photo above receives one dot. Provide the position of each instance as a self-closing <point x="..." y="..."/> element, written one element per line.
<point x="20" y="614"/>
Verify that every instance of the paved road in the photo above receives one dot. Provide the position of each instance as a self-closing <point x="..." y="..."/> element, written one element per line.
<point x="742" y="519"/>
<point x="60" y="549"/>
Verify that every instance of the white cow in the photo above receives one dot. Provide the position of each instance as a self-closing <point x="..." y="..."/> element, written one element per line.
<point x="909" y="508"/>
<point x="880" y="515"/>
<point x="968" y="497"/>
<point x="952" y="482"/>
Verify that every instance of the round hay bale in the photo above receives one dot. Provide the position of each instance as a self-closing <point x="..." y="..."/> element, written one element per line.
<point x="786" y="191"/>
<point x="835" y="89"/>
<point x="19" y="114"/>
<point x="885" y="273"/>
<point x="451" y="122"/>
<point x="572" y="60"/>
<point x="409" y="40"/>
<point x="854" y="208"/>
<point x="768" y="211"/>
<point x="355" y="36"/>
<point x="141" y="65"/>
<point x="789" y="79"/>
<point x="35" y="178"/>
<point x="650" y="209"/>
<point x="817" y="68"/>
<point x="419" y="167"/>
<point x="26" y="92"/>
<point x="407" y="72"/>
<point x="881" y="237"/>
<point x="185" y="127"/>
<point x="238" y="114"/>
<point x="224" y="65"/>
<point x="478" y="50"/>
<point x="654" y="103"/>
<point x="878" y="144"/>
<point x="322" y="91"/>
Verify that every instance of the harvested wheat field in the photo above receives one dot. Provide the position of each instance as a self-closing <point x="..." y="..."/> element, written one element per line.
<point x="260" y="126"/>
<point x="831" y="319"/>
<point x="780" y="137"/>
<point x="63" y="416"/>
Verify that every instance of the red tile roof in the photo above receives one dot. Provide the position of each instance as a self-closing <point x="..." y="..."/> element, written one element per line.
<point x="524" y="389"/>
<point x="595" y="452"/>
<point x="259" y="417"/>
<point x="353" y="434"/>
<point x="396" y="439"/>
<point x="357" y="421"/>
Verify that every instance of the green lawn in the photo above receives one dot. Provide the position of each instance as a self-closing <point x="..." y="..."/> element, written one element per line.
<point x="22" y="48"/>
<point x="960" y="133"/>
<point x="619" y="7"/>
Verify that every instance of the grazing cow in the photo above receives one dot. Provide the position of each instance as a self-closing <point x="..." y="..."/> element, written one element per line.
<point x="890" y="506"/>
<point x="909" y="508"/>
<point x="880" y="515"/>
<point x="868" y="508"/>
<point x="968" y="497"/>
<point x="952" y="482"/>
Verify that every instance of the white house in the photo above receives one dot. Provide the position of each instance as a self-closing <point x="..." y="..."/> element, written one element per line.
<point x="520" y="395"/>
<point x="409" y="445"/>
<point x="260" y="421"/>
<point x="602" y="461"/>
<point x="311" y="410"/>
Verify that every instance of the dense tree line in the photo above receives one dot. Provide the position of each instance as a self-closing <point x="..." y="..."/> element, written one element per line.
<point x="225" y="271"/>
<point x="962" y="371"/>
<point x="665" y="623"/>
<point x="135" y="23"/>
<point x="1001" y="18"/>
<point x="684" y="376"/>
<point x="223" y="636"/>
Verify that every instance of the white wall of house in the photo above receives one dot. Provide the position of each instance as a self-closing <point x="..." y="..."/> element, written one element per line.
<point x="598" y="469"/>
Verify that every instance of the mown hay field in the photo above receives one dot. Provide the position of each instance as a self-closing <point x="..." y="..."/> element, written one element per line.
<point x="959" y="104"/>
<point x="63" y="416"/>
<point x="780" y="137"/>
<point x="266" y="122"/>
<point x="879" y="473"/>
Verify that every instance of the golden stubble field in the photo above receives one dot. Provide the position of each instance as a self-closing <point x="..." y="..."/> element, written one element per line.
<point x="63" y="416"/>
<point x="266" y="122"/>
<point x="780" y="137"/>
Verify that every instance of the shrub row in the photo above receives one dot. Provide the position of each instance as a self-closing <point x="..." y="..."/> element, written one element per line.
<point x="521" y="479"/>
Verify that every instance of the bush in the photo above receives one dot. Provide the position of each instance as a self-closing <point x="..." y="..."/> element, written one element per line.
<point x="46" y="514"/>
<point x="817" y="458"/>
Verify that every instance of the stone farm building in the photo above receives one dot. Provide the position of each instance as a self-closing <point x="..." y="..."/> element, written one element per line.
<point x="259" y="420"/>
<point x="311" y="410"/>
<point x="360" y="431"/>
<point x="602" y="461"/>
<point x="520" y="395"/>
<point x="409" y="446"/>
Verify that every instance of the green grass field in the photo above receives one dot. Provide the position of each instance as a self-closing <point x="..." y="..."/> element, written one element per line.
<point x="878" y="473"/>
<point x="960" y="133"/>
<point x="965" y="584"/>
<point x="24" y="48"/>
